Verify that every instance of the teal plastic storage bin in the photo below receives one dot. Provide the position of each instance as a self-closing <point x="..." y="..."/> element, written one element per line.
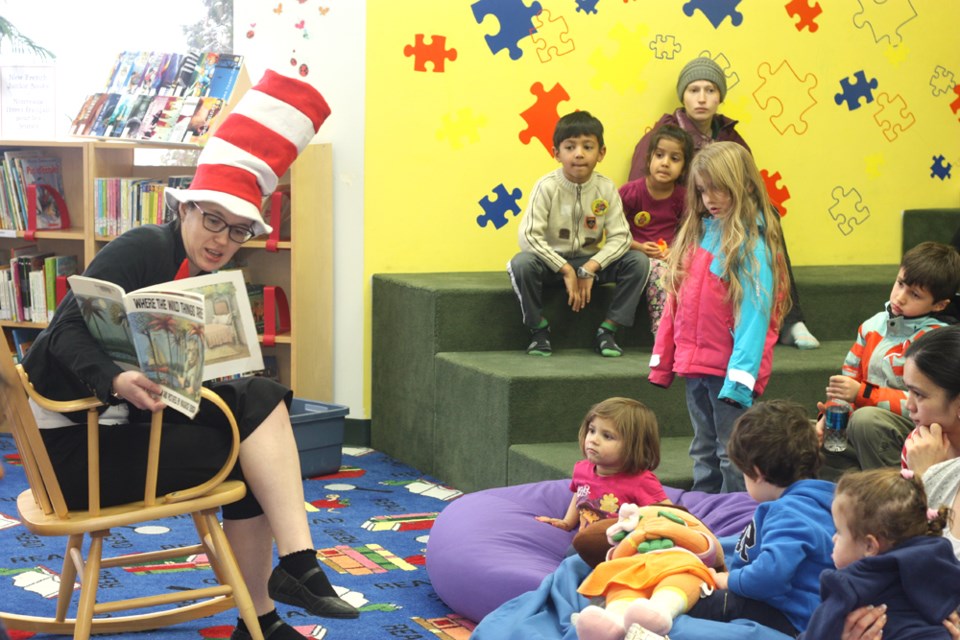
<point x="318" y="429"/>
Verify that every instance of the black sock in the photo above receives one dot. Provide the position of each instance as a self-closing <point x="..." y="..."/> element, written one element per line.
<point x="267" y="620"/>
<point x="300" y="562"/>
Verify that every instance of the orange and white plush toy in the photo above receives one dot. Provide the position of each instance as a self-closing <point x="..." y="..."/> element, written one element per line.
<point x="656" y="571"/>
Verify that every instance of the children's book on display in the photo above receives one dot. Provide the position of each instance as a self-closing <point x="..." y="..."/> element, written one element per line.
<point x="161" y="97"/>
<point x="177" y="333"/>
<point x="30" y="179"/>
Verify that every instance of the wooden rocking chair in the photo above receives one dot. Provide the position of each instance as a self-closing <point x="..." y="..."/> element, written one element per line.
<point x="43" y="511"/>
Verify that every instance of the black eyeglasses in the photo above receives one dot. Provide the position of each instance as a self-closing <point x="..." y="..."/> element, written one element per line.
<point x="239" y="233"/>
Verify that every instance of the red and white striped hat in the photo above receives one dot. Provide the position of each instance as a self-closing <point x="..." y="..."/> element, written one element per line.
<point x="255" y="145"/>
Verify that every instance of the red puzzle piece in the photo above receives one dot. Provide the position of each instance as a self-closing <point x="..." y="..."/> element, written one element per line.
<point x="436" y="52"/>
<point x="542" y="117"/>
<point x="955" y="105"/>
<point x="807" y="14"/>
<point x="778" y="195"/>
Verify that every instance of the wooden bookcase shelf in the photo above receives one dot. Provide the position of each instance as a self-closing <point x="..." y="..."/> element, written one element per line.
<point x="303" y="265"/>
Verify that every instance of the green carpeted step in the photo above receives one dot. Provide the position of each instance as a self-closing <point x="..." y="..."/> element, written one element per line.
<point x="555" y="460"/>
<point x="488" y="401"/>
<point x="920" y="225"/>
<point x="417" y="316"/>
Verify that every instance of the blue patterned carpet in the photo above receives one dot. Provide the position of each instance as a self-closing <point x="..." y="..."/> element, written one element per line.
<point x="370" y="523"/>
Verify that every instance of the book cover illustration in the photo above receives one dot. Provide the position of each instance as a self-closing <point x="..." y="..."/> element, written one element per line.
<point x="153" y="116"/>
<point x="175" y="330"/>
<point x="199" y="126"/>
<point x="45" y="170"/>
<point x="138" y="110"/>
<point x="202" y="75"/>
<point x="224" y="77"/>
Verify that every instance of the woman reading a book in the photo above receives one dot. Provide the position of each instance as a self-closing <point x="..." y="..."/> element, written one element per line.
<point x="214" y="216"/>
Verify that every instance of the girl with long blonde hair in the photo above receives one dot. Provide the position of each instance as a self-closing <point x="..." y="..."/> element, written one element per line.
<point x="728" y="292"/>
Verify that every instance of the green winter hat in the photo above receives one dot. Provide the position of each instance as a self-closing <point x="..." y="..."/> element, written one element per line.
<point x="702" y="69"/>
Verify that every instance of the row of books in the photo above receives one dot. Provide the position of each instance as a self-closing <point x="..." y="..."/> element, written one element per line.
<point x="33" y="283"/>
<point x="167" y="97"/>
<point x="142" y="117"/>
<point x="121" y="204"/>
<point x="20" y="169"/>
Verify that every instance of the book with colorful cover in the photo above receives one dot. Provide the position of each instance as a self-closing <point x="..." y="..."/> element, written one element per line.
<point x="152" y="117"/>
<point x="138" y="110"/>
<point x="57" y="267"/>
<point x="105" y="115"/>
<point x="178" y="333"/>
<point x="45" y="170"/>
<point x="199" y="127"/>
<point x="180" y="128"/>
<point x="168" y="119"/>
<point x="225" y="74"/>
<point x="169" y="73"/>
<point x="202" y="75"/>
<point x="82" y="119"/>
<point x="121" y="72"/>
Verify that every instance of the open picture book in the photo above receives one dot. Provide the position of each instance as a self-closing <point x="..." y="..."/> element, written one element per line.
<point x="179" y="333"/>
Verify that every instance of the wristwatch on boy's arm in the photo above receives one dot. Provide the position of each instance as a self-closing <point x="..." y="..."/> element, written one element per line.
<point x="584" y="274"/>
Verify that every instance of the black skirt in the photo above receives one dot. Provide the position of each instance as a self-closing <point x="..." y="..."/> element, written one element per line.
<point x="191" y="451"/>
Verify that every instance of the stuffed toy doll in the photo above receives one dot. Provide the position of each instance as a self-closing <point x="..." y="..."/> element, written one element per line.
<point x="658" y="565"/>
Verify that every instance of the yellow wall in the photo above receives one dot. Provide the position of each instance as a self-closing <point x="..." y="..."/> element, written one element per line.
<point x="423" y="184"/>
<point x="423" y="188"/>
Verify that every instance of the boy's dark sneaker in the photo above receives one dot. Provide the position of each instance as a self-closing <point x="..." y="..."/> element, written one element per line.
<point x="540" y="342"/>
<point x="606" y="344"/>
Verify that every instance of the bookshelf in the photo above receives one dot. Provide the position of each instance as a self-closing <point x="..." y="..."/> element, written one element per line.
<point x="302" y="266"/>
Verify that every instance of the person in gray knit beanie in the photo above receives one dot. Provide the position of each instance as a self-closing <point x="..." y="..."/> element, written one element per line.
<point x="702" y="69"/>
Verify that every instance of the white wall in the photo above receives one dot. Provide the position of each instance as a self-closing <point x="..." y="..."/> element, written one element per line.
<point x="334" y="51"/>
<point x="328" y="36"/>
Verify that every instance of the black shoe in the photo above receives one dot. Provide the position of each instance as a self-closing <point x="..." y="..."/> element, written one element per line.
<point x="243" y="634"/>
<point x="284" y="588"/>
<point x="606" y="344"/>
<point x="540" y="342"/>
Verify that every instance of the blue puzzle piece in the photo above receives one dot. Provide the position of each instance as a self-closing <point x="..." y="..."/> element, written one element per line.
<point x="516" y="23"/>
<point x="495" y="211"/>
<point x="940" y="170"/>
<point x="715" y="11"/>
<point x="587" y="6"/>
<point x="852" y="92"/>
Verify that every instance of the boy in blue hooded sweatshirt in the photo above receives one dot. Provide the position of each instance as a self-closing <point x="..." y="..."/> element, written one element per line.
<point x="774" y="576"/>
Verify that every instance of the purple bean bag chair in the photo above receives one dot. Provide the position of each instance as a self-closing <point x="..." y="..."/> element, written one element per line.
<point x="486" y="548"/>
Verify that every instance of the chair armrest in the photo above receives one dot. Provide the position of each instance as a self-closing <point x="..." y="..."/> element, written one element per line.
<point x="60" y="406"/>
<point x="220" y="476"/>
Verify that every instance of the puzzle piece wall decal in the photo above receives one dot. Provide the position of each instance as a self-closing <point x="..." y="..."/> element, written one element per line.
<point x="794" y="95"/>
<point x="893" y="117"/>
<point x="724" y="63"/>
<point x="884" y="17"/>
<point x="435" y="53"/>
<point x="715" y="11"/>
<point x="806" y="12"/>
<point x="516" y="23"/>
<point x="551" y="36"/>
<point x="495" y="211"/>
<point x="852" y="92"/>
<point x="542" y="117"/>
<point x="665" y="47"/>
<point x="460" y="127"/>
<point x="587" y="6"/>
<point x="941" y="81"/>
<point x="940" y="170"/>
<point x="632" y="52"/>
<point x="778" y="195"/>
<point x="955" y="105"/>
<point x="848" y="209"/>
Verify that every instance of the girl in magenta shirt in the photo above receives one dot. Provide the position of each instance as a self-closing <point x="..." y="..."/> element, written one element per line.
<point x="620" y="441"/>
<point x="653" y="205"/>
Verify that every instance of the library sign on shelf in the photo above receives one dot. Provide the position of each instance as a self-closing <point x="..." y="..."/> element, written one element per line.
<point x="27" y="102"/>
